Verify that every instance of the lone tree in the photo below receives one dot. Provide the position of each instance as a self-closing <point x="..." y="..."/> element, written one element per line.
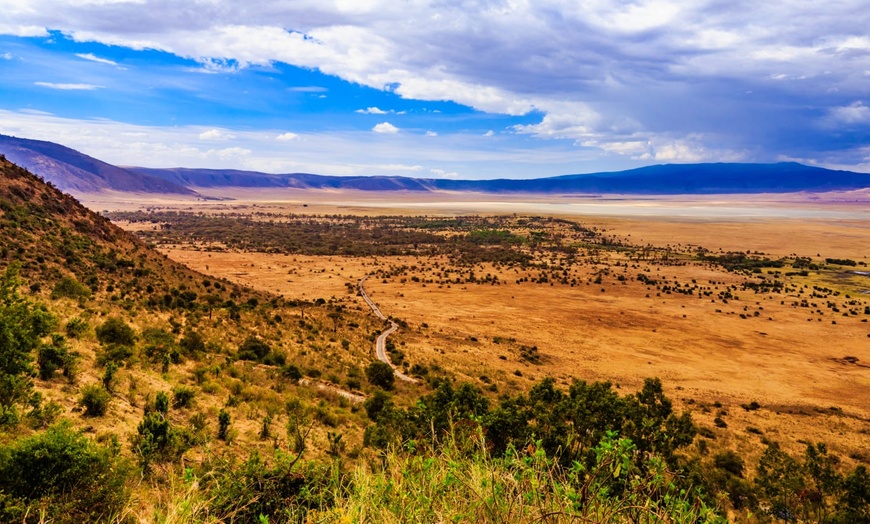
<point x="381" y="374"/>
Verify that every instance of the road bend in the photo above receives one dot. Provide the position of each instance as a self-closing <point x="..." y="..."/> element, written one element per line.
<point x="381" y="343"/>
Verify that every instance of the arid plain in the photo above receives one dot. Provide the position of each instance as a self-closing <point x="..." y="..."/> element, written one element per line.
<point x="801" y="351"/>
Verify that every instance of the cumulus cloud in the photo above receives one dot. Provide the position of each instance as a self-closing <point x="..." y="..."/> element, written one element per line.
<point x="854" y="113"/>
<point x="216" y="135"/>
<point x="576" y="70"/>
<point x="286" y="137"/>
<point x="371" y="111"/>
<point x="6" y="56"/>
<point x="68" y="87"/>
<point x="431" y="133"/>
<point x="385" y="128"/>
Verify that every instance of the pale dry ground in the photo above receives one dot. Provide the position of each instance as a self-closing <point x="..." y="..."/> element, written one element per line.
<point x="783" y="359"/>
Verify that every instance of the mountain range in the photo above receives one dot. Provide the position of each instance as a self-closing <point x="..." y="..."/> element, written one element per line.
<point x="76" y="172"/>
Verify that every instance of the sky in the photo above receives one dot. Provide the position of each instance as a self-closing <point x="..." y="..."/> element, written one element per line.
<point x="468" y="89"/>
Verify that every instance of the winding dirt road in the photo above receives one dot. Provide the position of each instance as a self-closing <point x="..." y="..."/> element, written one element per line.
<point x="381" y="343"/>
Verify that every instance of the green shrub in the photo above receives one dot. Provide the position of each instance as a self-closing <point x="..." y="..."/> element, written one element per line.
<point x="76" y="327"/>
<point x="223" y="424"/>
<point x="115" y="331"/>
<point x="253" y="349"/>
<point x="292" y="372"/>
<point x="182" y="397"/>
<point x="63" y="473"/>
<point x="52" y="357"/>
<point x="95" y="399"/>
<point x="69" y="287"/>
<point x="381" y="374"/>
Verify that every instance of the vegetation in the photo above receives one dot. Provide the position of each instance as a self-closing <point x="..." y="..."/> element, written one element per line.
<point x="214" y="403"/>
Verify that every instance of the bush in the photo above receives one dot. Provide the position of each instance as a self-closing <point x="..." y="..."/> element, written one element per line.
<point x="116" y="332"/>
<point x="292" y="372"/>
<point x="381" y="374"/>
<point x="52" y="357"/>
<point x="253" y="349"/>
<point x="76" y="327"/>
<point x="63" y="473"/>
<point x="95" y="399"/>
<point x="223" y="424"/>
<point x="182" y="397"/>
<point x="69" y="287"/>
<point x="192" y="344"/>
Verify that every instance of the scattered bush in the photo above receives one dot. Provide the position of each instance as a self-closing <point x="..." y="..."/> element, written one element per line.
<point x="115" y="331"/>
<point x="182" y="397"/>
<point x="380" y="374"/>
<point x="61" y="475"/>
<point x="69" y="287"/>
<point x="253" y="349"/>
<point x="95" y="399"/>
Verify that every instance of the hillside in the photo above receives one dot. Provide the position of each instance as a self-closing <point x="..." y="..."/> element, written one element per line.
<point x="72" y="171"/>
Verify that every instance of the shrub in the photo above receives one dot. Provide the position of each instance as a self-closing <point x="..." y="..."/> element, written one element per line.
<point x="730" y="462"/>
<point x="192" y="344"/>
<point x="52" y="357"/>
<point x="76" y="327"/>
<point x="292" y="372"/>
<point x="69" y="287"/>
<point x="253" y="349"/>
<point x="95" y="399"/>
<point x="381" y="374"/>
<point x="116" y="331"/>
<point x="182" y="397"/>
<point x="63" y="473"/>
<point x="223" y="424"/>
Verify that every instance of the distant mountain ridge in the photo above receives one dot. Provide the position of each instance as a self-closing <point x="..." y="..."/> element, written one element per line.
<point x="73" y="171"/>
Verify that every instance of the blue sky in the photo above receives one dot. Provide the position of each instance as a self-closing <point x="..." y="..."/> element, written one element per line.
<point x="454" y="88"/>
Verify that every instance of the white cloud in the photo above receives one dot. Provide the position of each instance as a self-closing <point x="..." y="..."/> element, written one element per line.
<point x="6" y="56"/>
<point x="94" y="58"/>
<point x="286" y="137"/>
<point x="489" y="133"/>
<point x="68" y="87"/>
<point x="385" y="128"/>
<point x="855" y="113"/>
<point x="216" y="135"/>
<point x="372" y="111"/>
<point x="692" y="63"/>
<point x="431" y="133"/>
<point x="441" y="173"/>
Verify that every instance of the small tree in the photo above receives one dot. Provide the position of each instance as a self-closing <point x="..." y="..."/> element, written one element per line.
<point x="381" y="374"/>
<point x="223" y="424"/>
<point x="116" y="331"/>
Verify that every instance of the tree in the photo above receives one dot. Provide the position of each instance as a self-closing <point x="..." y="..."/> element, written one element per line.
<point x="381" y="374"/>
<point x="22" y="326"/>
<point x="116" y="332"/>
<point x="253" y="349"/>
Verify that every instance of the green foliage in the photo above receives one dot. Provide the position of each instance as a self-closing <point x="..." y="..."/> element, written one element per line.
<point x="52" y="357"/>
<point x="22" y="326"/>
<point x="253" y="349"/>
<point x="271" y="491"/>
<point x="109" y="376"/>
<point x="115" y="331"/>
<point x="76" y="327"/>
<point x="157" y="440"/>
<point x="811" y="489"/>
<point x="64" y="474"/>
<point x="192" y="344"/>
<point x="95" y="399"/>
<point x="161" y="403"/>
<point x="69" y="287"/>
<point x="223" y="424"/>
<point x="182" y="397"/>
<point x="380" y="374"/>
<point x="464" y="482"/>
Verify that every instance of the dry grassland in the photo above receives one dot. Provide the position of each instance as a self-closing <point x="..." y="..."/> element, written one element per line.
<point x="713" y="354"/>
